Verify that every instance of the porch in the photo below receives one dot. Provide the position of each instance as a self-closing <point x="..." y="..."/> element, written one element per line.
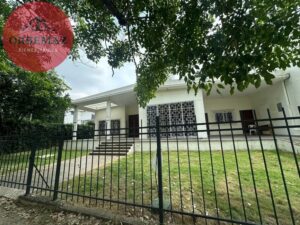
<point x="117" y="111"/>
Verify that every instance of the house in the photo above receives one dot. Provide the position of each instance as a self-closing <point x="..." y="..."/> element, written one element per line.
<point x="118" y="108"/>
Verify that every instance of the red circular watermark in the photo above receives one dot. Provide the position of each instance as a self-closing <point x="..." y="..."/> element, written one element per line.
<point x="37" y="36"/>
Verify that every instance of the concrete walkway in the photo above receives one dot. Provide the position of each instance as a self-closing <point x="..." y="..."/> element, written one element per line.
<point x="46" y="173"/>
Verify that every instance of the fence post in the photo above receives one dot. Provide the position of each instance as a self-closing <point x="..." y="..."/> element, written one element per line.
<point x="30" y="167"/>
<point x="159" y="173"/>
<point x="58" y="164"/>
<point x="291" y="140"/>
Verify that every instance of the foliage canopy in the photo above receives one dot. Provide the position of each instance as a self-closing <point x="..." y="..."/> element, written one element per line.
<point x="239" y="42"/>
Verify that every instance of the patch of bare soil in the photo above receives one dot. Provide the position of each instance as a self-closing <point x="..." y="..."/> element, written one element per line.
<point x="14" y="213"/>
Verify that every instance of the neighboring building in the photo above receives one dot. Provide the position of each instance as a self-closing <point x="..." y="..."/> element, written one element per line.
<point x="118" y="108"/>
<point x="83" y="117"/>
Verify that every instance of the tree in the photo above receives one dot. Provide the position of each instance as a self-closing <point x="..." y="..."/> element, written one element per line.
<point x="238" y="42"/>
<point x="29" y="95"/>
<point x="24" y="95"/>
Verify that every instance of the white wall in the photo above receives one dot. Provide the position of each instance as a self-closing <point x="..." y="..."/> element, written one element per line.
<point x="287" y="93"/>
<point x="192" y="145"/>
<point x="131" y="110"/>
<point x="268" y="98"/>
<point x="293" y="89"/>
<point x="117" y="113"/>
<point x="226" y="103"/>
<point x="173" y="96"/>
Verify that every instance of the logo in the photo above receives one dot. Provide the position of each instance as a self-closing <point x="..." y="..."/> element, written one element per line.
<point x="37" y="36"/>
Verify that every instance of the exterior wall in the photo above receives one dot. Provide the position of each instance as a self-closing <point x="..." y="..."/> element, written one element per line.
<point x="131" y="110"/>
<point x="228" y="103"/>
<point x="292" y="85"/>
<point x="173" y="96"/>
<point x="292" y="93"/>
<point x="268" y="98"/>
<point x="117" y="113"/>
<point x="193" y="145"/>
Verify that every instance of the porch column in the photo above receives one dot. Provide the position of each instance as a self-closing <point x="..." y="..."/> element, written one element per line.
<point x="108" y="118"/>
<point x="200" y="114"/>
<point x="75" y="123"/>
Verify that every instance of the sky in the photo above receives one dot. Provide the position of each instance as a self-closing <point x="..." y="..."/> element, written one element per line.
<point x="85" y="77"/>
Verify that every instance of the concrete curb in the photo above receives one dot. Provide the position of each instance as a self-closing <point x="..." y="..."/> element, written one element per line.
<point x="11" y="193"/>
<point x="97" y="213"/>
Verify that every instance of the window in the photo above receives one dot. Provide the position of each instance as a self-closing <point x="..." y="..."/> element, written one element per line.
<point x="223" y="117"/>
<point x="173" y="114"/>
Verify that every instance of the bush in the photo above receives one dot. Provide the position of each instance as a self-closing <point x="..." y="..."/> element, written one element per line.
<point x="16" y="137"/>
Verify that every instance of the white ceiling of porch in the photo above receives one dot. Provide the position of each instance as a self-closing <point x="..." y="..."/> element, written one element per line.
<point x="99" y="106"/>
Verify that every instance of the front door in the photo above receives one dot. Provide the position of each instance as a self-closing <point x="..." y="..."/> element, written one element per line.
<point x="247" y="119"/>
<point x="133" y="126"/>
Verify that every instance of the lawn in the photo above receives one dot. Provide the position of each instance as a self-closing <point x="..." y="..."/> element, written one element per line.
<point x="19" y="161"/>
<point x="189" y="186"/>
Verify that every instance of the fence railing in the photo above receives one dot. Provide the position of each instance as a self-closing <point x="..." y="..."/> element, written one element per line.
<point x="180" y="173"/>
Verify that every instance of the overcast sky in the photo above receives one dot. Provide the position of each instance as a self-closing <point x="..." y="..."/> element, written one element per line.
<point x="84" y="77"/>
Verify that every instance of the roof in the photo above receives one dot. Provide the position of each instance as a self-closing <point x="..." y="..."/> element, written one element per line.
<point x="126" y="95"/>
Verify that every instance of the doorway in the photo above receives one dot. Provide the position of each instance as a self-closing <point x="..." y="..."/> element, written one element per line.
<point x="133" y="125"/>
<point x="247" y="118"/>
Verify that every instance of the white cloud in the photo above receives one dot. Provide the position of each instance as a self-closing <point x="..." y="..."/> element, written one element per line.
<point x="85" y="77"/>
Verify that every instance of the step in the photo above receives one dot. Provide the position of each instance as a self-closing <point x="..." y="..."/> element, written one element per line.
<point x="116" y="143"/>
<point x="113" y="147"/>
<point x="110" y="150"/>
<point x="110" y="154"/>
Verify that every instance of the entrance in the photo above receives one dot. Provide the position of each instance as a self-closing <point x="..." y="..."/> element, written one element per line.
<point x="133" y="126"/>
<point x="247" y="119"/>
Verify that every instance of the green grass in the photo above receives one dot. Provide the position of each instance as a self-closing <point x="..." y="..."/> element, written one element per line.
<point x="130" y="178"/>
<point x="19" y="161"/>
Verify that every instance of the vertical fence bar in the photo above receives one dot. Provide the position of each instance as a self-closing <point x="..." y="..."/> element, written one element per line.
<point x="281" y="166"/>
<point x="291" y="140"/>
<point x="30" y="168"/>
<point x="58" y="165"/>
<point x="266" y="170"/>
<point x="159" y="173"/>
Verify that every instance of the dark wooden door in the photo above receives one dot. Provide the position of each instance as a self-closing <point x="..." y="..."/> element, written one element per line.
<point x="247" y="119"/>
<point x="133" y="126"/>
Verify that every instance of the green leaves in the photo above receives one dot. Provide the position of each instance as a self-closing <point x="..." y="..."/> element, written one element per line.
<point x="118" y="54"/>
<point x="239" y="43"/>
<point x="24" y="94"/>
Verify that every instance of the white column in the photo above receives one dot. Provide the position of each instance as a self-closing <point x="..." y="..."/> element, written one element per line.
<point x="200" y="114"/>
<point x="108" y="118"/>
<point x="143" y="118"/>
<point x="96" y="133"/>
<point x="75" y="123"/>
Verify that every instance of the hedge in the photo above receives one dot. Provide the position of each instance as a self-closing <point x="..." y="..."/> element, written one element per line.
<point x="16" y="137"/>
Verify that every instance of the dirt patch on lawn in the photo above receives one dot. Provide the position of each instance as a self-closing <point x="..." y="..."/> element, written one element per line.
<point x="14" y="213"/>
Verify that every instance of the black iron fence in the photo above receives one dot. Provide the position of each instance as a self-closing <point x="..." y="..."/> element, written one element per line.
<point x="210" y="173"/>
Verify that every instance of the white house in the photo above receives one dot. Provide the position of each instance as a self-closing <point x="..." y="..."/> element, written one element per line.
<point x="118" y="108"/>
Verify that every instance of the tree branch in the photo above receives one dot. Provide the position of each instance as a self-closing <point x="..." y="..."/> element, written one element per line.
<point x="115" y="12"/>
